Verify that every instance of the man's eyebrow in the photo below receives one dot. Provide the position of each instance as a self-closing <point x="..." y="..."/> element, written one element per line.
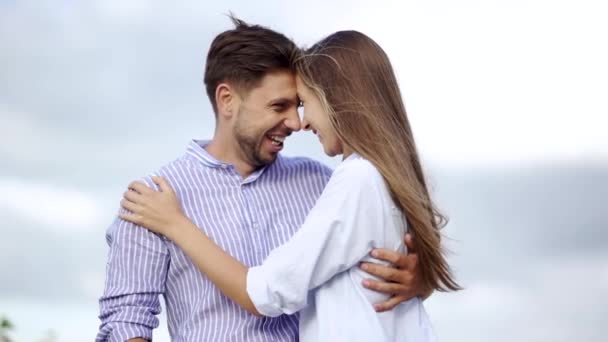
<point x="285" y="100"/>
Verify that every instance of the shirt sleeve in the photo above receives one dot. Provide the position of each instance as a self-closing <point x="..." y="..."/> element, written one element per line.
<point x="135" y="277"/>
<point x="339" y="231"/>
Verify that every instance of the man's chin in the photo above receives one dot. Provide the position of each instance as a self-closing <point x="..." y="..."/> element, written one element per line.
<point x="270" y="158"/>
<point x="264" y="159"/>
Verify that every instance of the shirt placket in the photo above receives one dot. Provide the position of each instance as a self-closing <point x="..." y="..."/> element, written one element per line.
<point x="254" y="226"/>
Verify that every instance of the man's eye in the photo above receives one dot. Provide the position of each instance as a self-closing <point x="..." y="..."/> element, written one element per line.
<point x="300" y="104"/>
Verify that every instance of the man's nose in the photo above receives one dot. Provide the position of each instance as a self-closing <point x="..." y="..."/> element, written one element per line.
<point x="293" y="121"/>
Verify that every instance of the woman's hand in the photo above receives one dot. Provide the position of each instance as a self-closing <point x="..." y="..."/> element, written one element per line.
<point x="158" y="211"/>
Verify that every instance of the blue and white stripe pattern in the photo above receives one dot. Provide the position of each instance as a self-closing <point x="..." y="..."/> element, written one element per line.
<point x="246" y="217"/>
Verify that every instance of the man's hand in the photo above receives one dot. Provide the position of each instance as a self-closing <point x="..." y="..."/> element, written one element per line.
<point x="402" y="279"/>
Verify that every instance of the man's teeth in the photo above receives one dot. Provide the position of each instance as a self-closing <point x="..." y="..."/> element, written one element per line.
<point x="276" y="140"/>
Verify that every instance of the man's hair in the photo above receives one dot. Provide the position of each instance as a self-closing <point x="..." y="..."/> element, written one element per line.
<point x="244" y="55"/>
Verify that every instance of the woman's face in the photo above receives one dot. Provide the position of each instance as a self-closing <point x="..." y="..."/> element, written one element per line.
<point x="315" y="118"/>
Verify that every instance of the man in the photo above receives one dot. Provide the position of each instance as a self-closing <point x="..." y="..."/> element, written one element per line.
<point x="242" y="192"/>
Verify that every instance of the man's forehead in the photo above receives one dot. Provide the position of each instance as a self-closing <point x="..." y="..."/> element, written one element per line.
<point x="279" y="79"/>
<point x="281" y="86"/>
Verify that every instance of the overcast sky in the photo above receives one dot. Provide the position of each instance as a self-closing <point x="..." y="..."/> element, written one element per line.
<point x="507" y="100"/>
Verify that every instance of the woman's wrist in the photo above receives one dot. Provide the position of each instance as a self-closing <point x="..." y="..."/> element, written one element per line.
<point x="179" y="228"/>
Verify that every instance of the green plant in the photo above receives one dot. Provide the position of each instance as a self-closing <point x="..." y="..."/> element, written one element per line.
<point x="5" y="327"/>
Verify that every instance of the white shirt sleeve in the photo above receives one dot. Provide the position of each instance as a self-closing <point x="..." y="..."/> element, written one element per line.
<point x="338" y="232"/>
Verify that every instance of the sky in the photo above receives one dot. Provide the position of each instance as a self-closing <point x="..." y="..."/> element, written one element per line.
<point x="507" y="100"/>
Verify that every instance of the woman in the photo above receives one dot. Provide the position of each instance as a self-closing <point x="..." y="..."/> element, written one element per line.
<point x="352" y="102"/>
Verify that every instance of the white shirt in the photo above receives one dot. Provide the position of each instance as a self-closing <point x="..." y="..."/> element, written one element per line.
<point x="317" y="271"/>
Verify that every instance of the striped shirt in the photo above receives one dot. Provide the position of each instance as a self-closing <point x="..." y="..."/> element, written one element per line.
<point x="246" y="217"/>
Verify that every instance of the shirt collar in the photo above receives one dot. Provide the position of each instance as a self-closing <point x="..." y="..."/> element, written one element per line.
<point x="196" y="149"/>
<point x="352" y="156"/>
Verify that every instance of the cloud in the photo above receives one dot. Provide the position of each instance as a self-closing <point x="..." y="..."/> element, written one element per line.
<point x="493" y="83"/>
<point x="559" y="301"/>
<point x="113" y="71"/>
<point x="49" y="206"/>
<point x="550" y="209"/>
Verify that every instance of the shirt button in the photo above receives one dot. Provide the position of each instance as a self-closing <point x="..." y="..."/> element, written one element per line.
<point x="256" y="225"/>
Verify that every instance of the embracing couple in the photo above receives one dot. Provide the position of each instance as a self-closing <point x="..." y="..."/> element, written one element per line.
<point x="245" y="244"/>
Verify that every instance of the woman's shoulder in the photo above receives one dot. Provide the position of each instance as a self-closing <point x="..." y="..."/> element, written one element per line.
<point x="358" y="168"/>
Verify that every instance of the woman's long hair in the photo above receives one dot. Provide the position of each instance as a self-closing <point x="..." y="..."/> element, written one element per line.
<point x="354" y="79"/>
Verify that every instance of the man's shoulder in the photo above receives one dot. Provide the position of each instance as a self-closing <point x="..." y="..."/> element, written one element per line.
<point x="177" y="172"/>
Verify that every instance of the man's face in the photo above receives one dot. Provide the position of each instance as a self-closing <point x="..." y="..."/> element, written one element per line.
<point x="266" y="115"/>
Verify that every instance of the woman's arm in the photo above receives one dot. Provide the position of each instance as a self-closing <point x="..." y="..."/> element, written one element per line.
<point x="338" y="232"/>
<point x="161" y="213"/>
<point x="226" y="272"/>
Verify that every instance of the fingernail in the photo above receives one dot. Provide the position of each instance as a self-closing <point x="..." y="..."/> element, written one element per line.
<point x="364" y="267"/>
<point x="377" y="307"/>
<point x="375" y="253"/>
<point x="366" y="283"/>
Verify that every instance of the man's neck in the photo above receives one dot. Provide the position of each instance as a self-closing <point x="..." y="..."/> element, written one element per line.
<point x="227" y="152"/>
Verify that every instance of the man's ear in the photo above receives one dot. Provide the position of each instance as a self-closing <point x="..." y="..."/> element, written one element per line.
<point x="226" y="99"/>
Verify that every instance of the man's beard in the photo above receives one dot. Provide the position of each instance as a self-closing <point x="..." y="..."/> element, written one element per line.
<point x="250" y="145"/>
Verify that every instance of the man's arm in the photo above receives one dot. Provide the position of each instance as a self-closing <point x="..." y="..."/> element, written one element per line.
<point x="135" y="276"/>
<point x="402" y="279"/>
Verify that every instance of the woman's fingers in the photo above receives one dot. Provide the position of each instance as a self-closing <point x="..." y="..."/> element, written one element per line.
<point x="132" y="196"/>
<point x="162" y="184"/>
<point x="140" y="188"/>
<point x="130" y="206"/>
<point x="133" y="218"/>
